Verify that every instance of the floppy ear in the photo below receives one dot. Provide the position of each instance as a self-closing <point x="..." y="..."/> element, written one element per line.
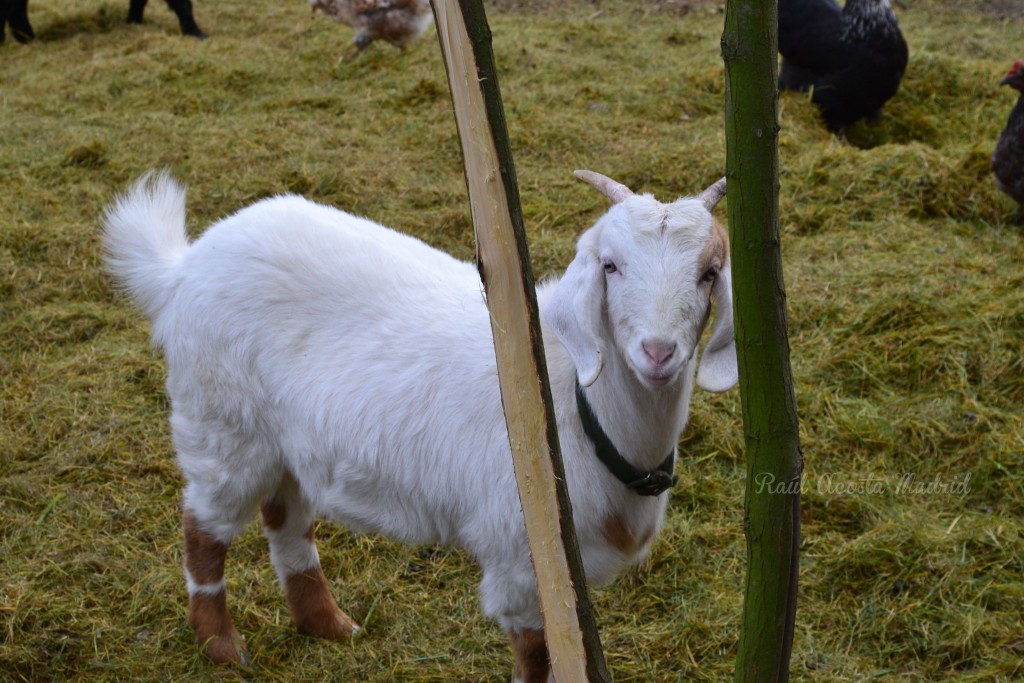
<point x="574" y="313"/>
<point x="718" y="370"/>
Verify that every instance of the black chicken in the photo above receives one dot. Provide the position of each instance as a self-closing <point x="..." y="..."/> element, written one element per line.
<point x="1008" y="157"/>
<point x="851" y="59"/>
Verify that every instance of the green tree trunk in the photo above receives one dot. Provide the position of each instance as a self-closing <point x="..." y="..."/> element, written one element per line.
<point x="771" y="429"/>
<point x="570" y="628"/>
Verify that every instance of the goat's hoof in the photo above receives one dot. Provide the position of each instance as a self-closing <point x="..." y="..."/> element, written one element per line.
<point x="228" y="649"/>
<point x="329" y="625"/>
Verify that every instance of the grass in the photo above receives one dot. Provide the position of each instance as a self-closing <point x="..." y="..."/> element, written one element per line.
<point x="906" y="304"/>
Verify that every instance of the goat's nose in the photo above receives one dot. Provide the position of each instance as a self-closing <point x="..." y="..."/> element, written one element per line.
<point x="658" y="351"/>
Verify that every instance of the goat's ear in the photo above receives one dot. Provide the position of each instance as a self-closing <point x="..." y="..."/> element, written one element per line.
<point x="574" y="312"/>
<point x="718" y="370"/>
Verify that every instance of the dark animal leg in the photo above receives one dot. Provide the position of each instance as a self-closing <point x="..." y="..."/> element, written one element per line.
<point x="17" y="16"/>
<point x="135" y="10"/>
<point x="181" y="8"/>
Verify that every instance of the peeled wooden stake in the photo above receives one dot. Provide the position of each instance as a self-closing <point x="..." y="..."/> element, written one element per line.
<point x="569" y="625"/>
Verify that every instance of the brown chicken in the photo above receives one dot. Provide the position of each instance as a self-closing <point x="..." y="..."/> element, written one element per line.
<point x="398" y="22"/>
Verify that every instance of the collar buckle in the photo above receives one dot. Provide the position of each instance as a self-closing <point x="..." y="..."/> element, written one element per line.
<point x="653" y="483"/>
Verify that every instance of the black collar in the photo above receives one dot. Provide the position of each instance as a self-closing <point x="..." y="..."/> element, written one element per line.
<point x="652" y="483"/>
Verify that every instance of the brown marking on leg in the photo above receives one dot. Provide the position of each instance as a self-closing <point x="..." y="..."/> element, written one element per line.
<point x="204" y="554"/>
<point x="533" y="664"/>
<point x="208" y="614"/>
<point x="274" y="515"/>
<point x="209" y="617"/>
<point x="313" y="607"/>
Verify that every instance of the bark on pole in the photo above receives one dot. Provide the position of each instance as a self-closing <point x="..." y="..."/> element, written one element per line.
<point x="774" y="461"/>
<point x="569" y="625"/>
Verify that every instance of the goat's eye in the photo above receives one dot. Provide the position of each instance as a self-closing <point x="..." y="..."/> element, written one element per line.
<point x="609" y="267"/>
<point x="709" y="275"/>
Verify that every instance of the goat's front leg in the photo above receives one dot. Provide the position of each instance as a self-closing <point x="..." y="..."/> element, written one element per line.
<point x="533" y="665"/>
<point x="288" y="522"/>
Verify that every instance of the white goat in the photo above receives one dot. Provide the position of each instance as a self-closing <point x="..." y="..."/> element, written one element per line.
<point x="320" y="364"/>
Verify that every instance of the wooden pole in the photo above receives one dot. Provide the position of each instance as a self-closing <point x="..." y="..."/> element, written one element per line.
<point x="771" y="429"/>
<point x="569" y="625"/>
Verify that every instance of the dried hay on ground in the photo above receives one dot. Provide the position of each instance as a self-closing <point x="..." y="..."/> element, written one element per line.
<point x="904" y="276"/>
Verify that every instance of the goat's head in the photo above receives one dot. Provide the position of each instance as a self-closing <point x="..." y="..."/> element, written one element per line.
<point x="643" y="280"/>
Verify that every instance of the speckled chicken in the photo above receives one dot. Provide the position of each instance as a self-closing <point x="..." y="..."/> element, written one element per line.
<point x="1008" y="157"/>
<point x="398" y="22"/>
<point x="851" y="59"/>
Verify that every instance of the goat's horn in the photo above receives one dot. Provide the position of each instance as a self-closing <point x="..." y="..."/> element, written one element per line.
<point x="612" y="189"/>
<point x="711" y="196"/>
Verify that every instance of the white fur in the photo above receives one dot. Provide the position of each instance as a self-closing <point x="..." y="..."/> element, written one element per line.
<point x="203" y="588"/>
<point x="305" y="343"/>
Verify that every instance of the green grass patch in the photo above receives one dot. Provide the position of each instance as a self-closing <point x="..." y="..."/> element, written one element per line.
<point x="905" y="295"/>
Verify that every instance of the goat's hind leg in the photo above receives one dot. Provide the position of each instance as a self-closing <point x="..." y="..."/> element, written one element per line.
<point x="289" y="523"/>
<point x="206" y="547"/>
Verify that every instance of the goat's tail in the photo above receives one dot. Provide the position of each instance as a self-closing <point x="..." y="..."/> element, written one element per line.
<point x="144" y="238"/>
